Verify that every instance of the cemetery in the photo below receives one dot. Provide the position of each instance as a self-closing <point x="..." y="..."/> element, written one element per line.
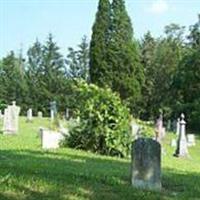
<point x="115" y="117"/>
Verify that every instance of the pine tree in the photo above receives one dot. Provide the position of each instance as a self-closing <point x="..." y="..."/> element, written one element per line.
<point x="78" y="61"/>
<point x="123" y="58"/>
<point x="99" y="67"/>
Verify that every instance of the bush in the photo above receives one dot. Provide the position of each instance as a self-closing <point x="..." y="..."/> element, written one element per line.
<point x="103" y="124"/>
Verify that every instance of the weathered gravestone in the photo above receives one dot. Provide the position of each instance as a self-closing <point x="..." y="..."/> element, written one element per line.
<point x="11" y="119"/>
<point x="146" y="164"/>
<point x="29" y="115"/>
<point x="182" y="150"/>
<point x="159" y="129"/>
<point x="191" y="140"/>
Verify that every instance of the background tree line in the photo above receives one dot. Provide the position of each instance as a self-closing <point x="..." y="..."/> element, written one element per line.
<point x="150" y="74"/>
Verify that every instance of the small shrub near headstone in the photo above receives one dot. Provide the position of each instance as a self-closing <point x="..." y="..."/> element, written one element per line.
<point x="103" y="124"/>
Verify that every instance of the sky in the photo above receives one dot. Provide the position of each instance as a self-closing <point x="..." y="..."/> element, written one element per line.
<point x="24" y="21"/>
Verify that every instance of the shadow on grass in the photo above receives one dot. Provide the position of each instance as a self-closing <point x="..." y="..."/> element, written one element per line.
<point x="50" y="175"/>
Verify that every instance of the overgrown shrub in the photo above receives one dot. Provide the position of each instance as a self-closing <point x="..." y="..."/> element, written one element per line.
<point x="103" y="124"/>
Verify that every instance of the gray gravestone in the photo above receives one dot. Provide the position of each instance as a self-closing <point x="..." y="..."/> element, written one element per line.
<point x="182" y="150"/>
<point x="11" y="119"/>
<point x="29" y="115"/>
<point x="146" y="164"/>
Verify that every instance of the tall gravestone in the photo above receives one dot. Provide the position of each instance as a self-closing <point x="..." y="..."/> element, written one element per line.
<point x="146" y="164"/>
<point x="53" y="109"/>
<point x="182" y="149"/>
<point x="160" y="130"/>
<point x="11" y="119"/>
<point x="29" y="115"/>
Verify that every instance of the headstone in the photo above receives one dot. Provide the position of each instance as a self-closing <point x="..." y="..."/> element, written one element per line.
<point x="135" y="130"/>
<point x="146" y="164"/>
<point x="178" y="126"/>
<point x="191" y="140"/>
<point x="182" y="150"/>
<point x="11" y="119"/>
<point x="40" y="115"/>
<point x="173" y="142"/>
<point x="169" y="125"/>
<point x="53" y="109"/>
<point x="29" y="115"/>
<point x="160" y="130"/>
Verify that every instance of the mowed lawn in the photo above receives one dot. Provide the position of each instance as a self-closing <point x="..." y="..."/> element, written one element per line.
<point x="28" y="172"/>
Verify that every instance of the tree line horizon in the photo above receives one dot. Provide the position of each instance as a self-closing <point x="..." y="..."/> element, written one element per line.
<point x="151" y="75"/>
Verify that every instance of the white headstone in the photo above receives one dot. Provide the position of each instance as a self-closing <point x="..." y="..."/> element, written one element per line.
<point x="40" y="115"/>
<point x="191" y="140"/>
<point x="29" y="115"/>
<point x="182" y="150"/>
<point x="11" y="119"/>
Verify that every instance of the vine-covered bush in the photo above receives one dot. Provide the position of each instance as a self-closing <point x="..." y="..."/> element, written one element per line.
<point x="103" y="121"/>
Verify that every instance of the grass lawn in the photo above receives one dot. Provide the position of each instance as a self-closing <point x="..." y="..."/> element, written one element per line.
<point x="28" y="172"/>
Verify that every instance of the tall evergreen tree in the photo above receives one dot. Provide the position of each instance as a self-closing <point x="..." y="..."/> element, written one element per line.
<point x="12" y="79"/>
<point x="126" y="72"/>
<point x="99" y="67"/>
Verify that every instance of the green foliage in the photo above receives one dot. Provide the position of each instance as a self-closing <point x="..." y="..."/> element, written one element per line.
<point x="126" y="71"/>
<point x="187" y="87"/>
<point x="99" y="66"/>
<point x="103" y="121"/>
<point x="78" y="61"/>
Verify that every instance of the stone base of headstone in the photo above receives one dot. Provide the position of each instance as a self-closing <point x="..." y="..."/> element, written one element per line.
<point x="146" y="164"/>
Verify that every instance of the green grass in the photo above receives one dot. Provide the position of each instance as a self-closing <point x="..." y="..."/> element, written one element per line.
<point x="28" y="172"/>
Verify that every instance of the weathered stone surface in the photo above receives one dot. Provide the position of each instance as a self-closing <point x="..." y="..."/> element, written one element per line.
<point x="146" y="164"/>
<point x="182" y="150"/>
<point x="11" y="119"/>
